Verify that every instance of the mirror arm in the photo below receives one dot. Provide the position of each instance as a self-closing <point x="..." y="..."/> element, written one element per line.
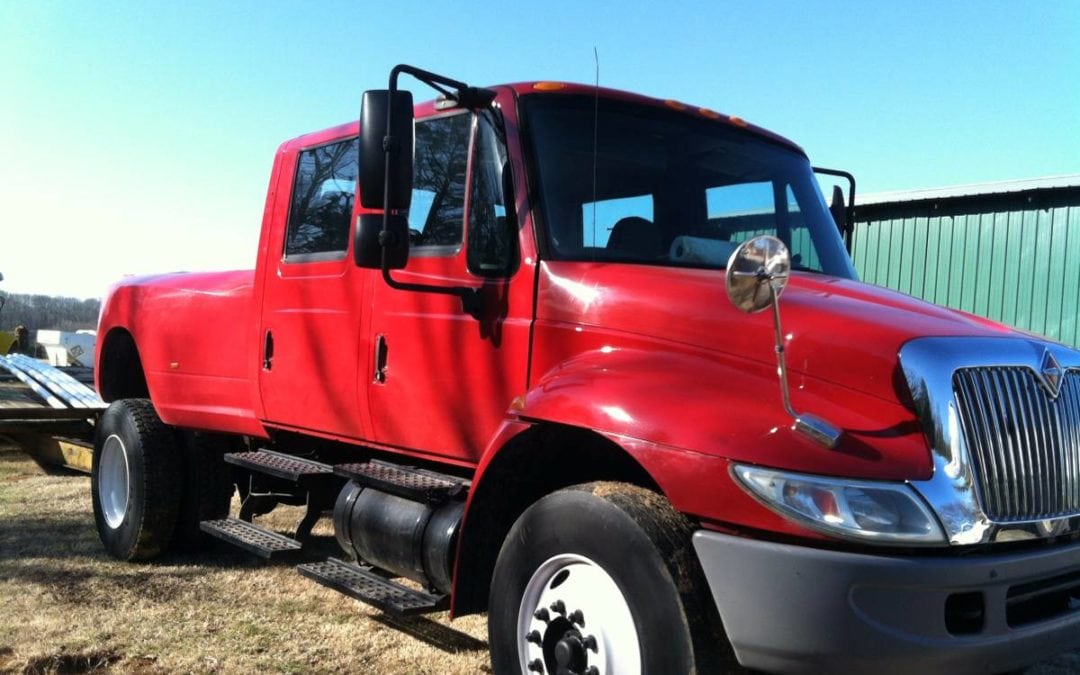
<point x="471" y="298"/>
<point x="814" y="428"/>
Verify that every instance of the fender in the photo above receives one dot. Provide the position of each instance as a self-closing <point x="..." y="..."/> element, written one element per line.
<point x="195" y="371"/>
<point x="685" y="427"/>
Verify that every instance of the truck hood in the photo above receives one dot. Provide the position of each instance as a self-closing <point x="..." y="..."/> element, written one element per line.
<point x="837" y="330"/>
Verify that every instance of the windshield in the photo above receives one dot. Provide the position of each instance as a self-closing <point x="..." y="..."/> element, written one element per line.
<point x="666" y="188"/>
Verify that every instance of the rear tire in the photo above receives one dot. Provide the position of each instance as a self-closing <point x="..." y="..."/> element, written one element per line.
<point x="208" y="488"/>
<point x="136" y="480"/>
<point x="621" y="556"/>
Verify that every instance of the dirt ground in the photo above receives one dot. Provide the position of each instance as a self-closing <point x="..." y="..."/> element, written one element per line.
<point x="65" y="607"/>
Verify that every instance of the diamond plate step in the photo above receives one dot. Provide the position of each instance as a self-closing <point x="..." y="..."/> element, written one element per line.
<point x="366" y="586"/>
<point x="279" y="465"/>
<point x="403" y="481"/>
<point x="252" y="538"/>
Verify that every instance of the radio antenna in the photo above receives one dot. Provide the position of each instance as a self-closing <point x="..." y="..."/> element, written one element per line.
<point x="595" y="130"/>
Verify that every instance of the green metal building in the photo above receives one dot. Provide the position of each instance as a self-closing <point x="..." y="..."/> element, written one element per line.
<point x="1009" y="251"/>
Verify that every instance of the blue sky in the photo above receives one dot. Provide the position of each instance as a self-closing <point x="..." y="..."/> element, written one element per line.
<point x="138" y="137"/>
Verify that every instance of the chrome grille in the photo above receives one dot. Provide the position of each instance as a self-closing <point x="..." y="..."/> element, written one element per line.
<point x="1024" y="444"/>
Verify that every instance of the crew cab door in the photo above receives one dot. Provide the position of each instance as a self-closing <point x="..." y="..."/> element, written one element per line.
<point x="313" y="299"/>
<point x="442" y="380"/>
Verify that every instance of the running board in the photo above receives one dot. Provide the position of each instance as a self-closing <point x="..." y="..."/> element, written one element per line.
<point x="279" y="465"/>
<point x="411" y="483"/>
<point x="250" y="537"/>
<point x="363" y="584"/>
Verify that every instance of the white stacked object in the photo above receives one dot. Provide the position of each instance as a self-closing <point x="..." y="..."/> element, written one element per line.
<point x="69" y="349"/>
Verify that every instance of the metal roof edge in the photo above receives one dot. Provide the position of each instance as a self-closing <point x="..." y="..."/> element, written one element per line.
<point x="971" y="190"/>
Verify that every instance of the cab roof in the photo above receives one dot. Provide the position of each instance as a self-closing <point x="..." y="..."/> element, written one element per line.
<point x="547" y="87"/>
<point x="552" y="87"/>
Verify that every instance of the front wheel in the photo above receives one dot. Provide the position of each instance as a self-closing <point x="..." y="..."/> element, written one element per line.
<point x="601" y="579"/>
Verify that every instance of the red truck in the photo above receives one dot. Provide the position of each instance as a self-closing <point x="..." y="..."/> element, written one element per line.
<point x="524" y="345"/>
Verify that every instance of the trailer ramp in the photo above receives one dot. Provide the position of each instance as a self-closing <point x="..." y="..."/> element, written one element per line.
<point x="48" y="412"/>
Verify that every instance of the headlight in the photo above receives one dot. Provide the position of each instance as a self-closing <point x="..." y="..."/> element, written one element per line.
<point x="867" y="511"/>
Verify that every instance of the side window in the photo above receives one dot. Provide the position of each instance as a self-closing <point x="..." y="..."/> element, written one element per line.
<point x="492" y="239"/>
<point x="322" y="201"/>
<point x="596" y="232"/>
<point x="437" y="212"/>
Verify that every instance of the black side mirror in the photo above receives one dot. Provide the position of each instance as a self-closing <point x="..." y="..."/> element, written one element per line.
<point x="375" y="185"/>
<point x="844" y="215"/>
<point x="367" y="248"/>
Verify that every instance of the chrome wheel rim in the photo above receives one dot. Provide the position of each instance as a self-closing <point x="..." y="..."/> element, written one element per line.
<point x="574" y="619"/>
<point x="113" y="482"/>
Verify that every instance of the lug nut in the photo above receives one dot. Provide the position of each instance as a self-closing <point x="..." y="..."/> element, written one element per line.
<point x="534" y="637"/>
<point x="590" y="642"/>
<point x="542" y="615"/>
<point x="577" y="617"/>
<point x="537" y="666"/>
<point x="559" y="607"/>
<point x="592" y="670"/>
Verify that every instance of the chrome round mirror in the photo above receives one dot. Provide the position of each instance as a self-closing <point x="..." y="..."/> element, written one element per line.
<point x="752" y="268"/>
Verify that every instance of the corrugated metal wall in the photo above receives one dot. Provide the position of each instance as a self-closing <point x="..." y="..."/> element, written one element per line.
<point x="1013" y="257"/>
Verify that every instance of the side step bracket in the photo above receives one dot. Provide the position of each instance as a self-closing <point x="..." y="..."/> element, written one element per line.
<point x="277" y="478"/>
<point x="366" y="586"/>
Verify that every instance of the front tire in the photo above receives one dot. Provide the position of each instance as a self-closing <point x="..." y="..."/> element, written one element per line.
<point x="601" y="579"/>
<point x="136" y="480"/>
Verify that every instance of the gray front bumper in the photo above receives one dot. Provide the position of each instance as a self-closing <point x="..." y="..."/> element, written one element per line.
<point x="795" y="609"/>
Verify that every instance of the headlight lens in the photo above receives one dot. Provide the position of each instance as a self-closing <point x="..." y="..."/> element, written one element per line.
<point x="867" y="511"/>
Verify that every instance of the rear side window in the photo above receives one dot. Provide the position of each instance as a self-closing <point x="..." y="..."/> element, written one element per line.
<point x="322" y="202"/>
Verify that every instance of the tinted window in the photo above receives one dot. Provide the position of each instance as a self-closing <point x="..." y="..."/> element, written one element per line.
<point x="322" y="199"/>
<point x="437" y="212"/>
<point x="492" y="239"/>
<point x="685" y="190"/>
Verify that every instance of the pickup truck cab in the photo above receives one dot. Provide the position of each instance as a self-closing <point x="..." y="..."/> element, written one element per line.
<point x="491" y="335"/>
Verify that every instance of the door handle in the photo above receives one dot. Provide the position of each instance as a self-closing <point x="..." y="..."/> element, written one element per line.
<point x="382" y="351"/>
<point x="268" y="351"/>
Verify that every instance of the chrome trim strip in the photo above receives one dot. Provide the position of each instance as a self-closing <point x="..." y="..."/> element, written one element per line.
<point x="928" y="365"/>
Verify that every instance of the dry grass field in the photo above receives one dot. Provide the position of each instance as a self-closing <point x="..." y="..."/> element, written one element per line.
<point x="65" y="607"/>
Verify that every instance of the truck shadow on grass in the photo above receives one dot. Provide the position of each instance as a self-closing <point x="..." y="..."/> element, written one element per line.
<point x="52" y="552"/>
<point x="443" y="638"/>
<point x="432" y="633"/>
